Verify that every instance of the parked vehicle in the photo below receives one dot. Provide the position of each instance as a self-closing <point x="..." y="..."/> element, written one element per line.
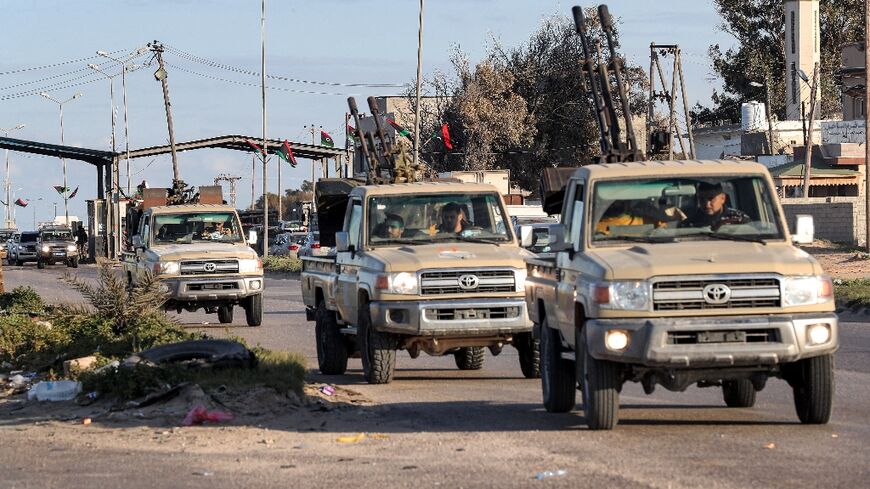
<point x="312" y="247"/>
<point x="11" y="245"/>
<point x="24" y="248"/>
<point x="679" y="273"/>
<point x="5" y="236"/>
<point x="287" y="244"/>
<point x="55" y="244"/>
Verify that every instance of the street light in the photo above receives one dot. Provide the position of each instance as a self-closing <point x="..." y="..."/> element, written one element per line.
<point x="65" y="190"/>
<point x="13" y="213"/>
<point x="35" y="203"/>
<point x="7" y="184"/>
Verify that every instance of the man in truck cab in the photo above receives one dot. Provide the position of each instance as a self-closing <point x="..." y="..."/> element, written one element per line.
<point x="712" y="211"/>
<point x="454" y="218"/>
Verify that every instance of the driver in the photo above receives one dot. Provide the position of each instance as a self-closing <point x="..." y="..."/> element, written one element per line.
<point x="454" y="219"/>
<point x="712" y="211"/>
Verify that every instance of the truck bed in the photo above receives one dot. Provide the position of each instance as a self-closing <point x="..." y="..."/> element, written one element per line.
<point x="318" y="281"/>
<point x="541" y="285"/>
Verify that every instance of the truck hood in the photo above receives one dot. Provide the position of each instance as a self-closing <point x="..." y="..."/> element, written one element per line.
<point x="202" y="250"/>
<point x="449" y="255"/>
<point x="643" y="261"/>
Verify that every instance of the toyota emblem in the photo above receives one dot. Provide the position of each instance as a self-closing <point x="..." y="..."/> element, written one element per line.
<point x="209" y="267"/>
<point x="717" y="293"/>
<point x="468" y="282"/>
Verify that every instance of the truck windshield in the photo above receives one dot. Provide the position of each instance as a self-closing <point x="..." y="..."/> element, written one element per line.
<point x="679" y="209"/>
<point x="422" y="219"/>
<point x="56" y="236"/>
<point x="188" y="227"/>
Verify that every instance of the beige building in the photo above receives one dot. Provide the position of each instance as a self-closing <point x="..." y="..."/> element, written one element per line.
<point x="853" y="75"/>
<point x="801" y="53"/>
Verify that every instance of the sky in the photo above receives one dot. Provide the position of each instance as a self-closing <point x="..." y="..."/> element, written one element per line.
<point x="47" y="45"/>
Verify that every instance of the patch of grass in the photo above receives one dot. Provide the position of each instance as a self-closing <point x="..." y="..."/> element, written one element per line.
<point x="853" y="293"/>
<point x="287" y="264"/>
<point x="22" y="300"/>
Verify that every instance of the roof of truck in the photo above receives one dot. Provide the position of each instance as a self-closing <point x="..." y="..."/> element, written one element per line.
<point x="173" y="209"/>
<point x="426" y="187"/>
<point x="672" y="168"/>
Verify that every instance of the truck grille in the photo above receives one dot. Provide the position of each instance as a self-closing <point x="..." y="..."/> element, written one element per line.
<point x="714" y="293"/>
<point x="468" y="314"/>
<point x="466" y="281"/>
<point x="214" y="286"/>
<point x="723" y="336"/>
<point x="208" y="267"/>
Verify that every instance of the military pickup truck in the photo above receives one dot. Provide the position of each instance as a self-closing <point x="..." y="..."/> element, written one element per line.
<point x="677" y="273"/>
<point x="423" y="267"/>
<point x="201" y="257"/>
<point x="55" y="244"/>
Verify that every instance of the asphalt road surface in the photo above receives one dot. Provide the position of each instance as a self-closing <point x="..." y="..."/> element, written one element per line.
<point x="483" y="428"/>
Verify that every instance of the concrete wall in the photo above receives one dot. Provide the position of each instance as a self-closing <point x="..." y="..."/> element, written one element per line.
<point x="839" y="132"/>
<point x="840" y="219"/>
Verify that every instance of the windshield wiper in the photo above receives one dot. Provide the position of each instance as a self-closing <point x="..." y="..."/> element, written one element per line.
<point x="397" y="241"/>
<point x="638" y="239"/>
<point x="731" y="237"/>
<point x="471" y="239"/>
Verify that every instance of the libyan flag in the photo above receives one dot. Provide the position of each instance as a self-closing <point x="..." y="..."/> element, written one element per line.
<point x="286" y="152"/>
<point x="399" y="129"/>
<point x="61" y="189"/>
<point x="254" y="146"/>
<point x="21" y="202"/>
<point x="74" y="192"/>
<point x="326" y="139"/>
<point x="350" y="133"/>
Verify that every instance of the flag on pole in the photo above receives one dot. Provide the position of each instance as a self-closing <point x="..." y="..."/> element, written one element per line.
<point x="74" y="192"/>
<point x="255" y="147"/>
<point x="399" y="129"/>
<point x="286" y="152"/>
<point x="61" y="189"/>
<point x="21" y="202"/>
<point x="326" y="139"/>
<point x="445" y="135"/>
<point x="350" y="133"/>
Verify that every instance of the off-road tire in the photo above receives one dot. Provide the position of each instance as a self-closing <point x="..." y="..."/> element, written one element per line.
<point x="738" y="393"/>
<point x="558" y="380"/>
<point x="40" y="264"/>
<point x="470" y="358"/>
<point x="331" y="345"/>
<point x="529" y="351"/>
<point x="600" y="388"/>
<point x="377" y="350"/>
<point x="73" y="263"/>
<point x="814" y="389"/>
<point x="18" y="262"/>
<point x="254" y="310"/>
<point x="225" y="314"/>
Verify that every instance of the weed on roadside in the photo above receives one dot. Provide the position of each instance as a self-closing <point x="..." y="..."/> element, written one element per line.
<point x="286" y="264"/>
<point x="853" y="293"/>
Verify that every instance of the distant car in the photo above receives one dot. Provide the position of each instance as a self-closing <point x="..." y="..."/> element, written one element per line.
<point x="311" y="246"/>
<point x="287" y="244"/>
<point x="293" y="226"/>
<point x="56" y="245"/>
<point x="5" y="236"/>
<point x="24" y="248"/>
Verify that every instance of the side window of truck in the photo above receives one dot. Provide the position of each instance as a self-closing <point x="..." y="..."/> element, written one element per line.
<point x="353" y="224"/>
<point x="575" y="226"/>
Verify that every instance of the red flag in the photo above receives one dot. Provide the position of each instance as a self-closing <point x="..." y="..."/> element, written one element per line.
<point x="73" y="194"/>
<point x="445" y="134"/>
<point x="256" y="148"/>
<point x="286" y="152"/>
<point x="21" y="202"/>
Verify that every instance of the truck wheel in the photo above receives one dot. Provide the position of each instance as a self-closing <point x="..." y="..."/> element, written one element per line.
<point x="470" y="358"/>
<point x="600" y="387"/>
<point x="377" y="350"/>
<point x="254" y="310"/>
<point x="40" y="264"/>
<point x="529" y="350"/>
<point x="738" y="393"/>
<point x="814" y="389"/>
<point x="558" y="381"/>
<point x="73" y="263"/>
<point x="331" y="346"/>
<point x="225" y="314"/>
<point x="19" y="262"/>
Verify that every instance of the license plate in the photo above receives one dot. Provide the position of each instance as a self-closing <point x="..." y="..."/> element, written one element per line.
<point x="722" y="337"/>
<point x="471" y="314"/>
<point x="59" y="253"/>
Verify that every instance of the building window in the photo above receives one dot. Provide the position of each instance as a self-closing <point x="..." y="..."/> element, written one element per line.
<point x="792" y="32"/>
<point x="794" y="85"/>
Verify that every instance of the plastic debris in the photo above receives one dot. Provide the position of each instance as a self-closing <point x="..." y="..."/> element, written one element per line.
<point x="550" y="473"/>
<point x="328" y="390"/>
<point x="61" y="390"/>
<point x="86" y="421"/>
<point x="200" y="414"/>
<point x="769" y="445"/>
<point x="17" y="380"/>
<point x="351" y="438"/>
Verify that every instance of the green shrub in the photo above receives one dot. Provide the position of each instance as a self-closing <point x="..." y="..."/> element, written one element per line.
<point x="286" y="264"/>
<point x="853" y="293"/>
<point x="22" y="300"/>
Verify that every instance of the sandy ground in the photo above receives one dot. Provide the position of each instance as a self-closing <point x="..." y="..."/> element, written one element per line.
<point x="841" y="263"/>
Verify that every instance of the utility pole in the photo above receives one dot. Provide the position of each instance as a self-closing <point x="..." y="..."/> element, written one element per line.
<point x="265" y="142"/>
<point x="769" y="112"/>
<point x="669" y="97"/>
<point x="8" y="184"/>
<point x="253" y="179"/>
<point x="808" y="162"/>
<point x="232" y="179"/>
<point x="866" y="126"/>
<point x="161" y="76"/>
<point x="419" y="76"/>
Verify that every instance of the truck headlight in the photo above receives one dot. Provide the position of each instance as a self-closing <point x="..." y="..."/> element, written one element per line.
<point x="250" y="265"/>
<point x="165" y="268"/>
<point x="398" y="283"/>
<point x="627" y="295"/>
<point x="45" y="248"/>
<point x="71" y="248"/>
<point x="616" y="339"/>
<point x="818" y="334"/>
<point x="801" y="291"/>
<point x="520" y="279"/>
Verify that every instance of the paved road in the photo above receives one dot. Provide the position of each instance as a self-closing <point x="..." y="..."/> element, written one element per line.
<point x="487" y="428"/>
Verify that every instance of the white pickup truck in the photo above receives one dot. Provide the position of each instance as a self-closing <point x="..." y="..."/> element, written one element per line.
<point x="409" y="273"/>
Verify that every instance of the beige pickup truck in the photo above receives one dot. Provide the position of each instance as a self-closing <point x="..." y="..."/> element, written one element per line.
<point x="679" y="273"/>
<point x="201" y="257"/>
<point x="423" y="267"/>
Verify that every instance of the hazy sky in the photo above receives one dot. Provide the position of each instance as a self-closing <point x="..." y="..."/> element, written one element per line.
<point x="331" y="41"/>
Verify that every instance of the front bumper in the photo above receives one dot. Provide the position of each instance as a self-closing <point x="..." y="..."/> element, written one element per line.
<point x="712" y="341"/>
<point x="468" y="317"/>
<point x="199" y="289"/>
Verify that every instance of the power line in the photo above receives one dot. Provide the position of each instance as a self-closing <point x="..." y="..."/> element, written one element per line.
<point x="53" y="65"/>
<point x="246" y="84"/>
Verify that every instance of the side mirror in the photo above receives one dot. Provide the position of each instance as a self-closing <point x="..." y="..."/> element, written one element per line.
<point x="137" y="241"/>
<point x="341" y="241"/>
<point x="557" y="238"/>
<point x="804" y="229"/>
<point x="252" y="237"/>
<point x="526" y="236"/>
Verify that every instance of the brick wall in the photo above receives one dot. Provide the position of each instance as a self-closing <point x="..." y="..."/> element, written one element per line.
<point x="840" y="219"/>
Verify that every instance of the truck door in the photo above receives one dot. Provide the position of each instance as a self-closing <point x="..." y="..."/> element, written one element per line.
<point x="565" y="290"/>
<point x="348" y="264"/>
<point x="142" y="264"/>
